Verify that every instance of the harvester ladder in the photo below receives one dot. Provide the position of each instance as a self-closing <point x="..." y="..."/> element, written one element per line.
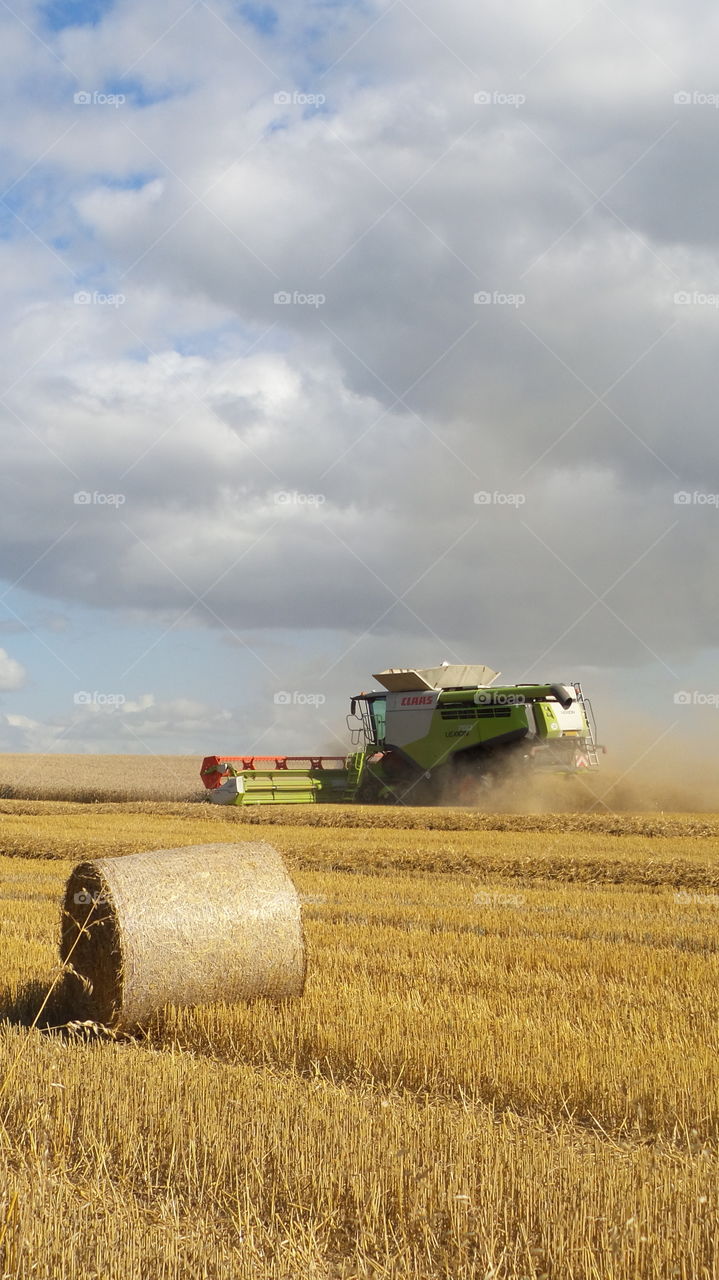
<point x="590" y="743"/>
<point x="353" y="765"/>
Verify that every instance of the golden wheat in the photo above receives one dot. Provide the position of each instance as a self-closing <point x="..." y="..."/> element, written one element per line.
<point x="524" y="856"/>
<point x="91" y="777"/>
<point x="504" y="1066"/>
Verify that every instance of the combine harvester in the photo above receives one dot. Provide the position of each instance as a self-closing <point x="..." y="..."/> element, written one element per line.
<point x="433" y="736"/>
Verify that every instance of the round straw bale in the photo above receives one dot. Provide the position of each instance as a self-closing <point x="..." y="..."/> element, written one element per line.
<point x="213" y="922"/>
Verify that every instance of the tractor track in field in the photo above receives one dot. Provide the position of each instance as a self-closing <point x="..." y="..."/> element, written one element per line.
<point x="370" y="817"/>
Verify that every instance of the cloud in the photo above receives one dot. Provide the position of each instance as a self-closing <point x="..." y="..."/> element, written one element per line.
<point x="142" y="726"/>
<point x="12" y="673"/>
<point x="309" y="466"/>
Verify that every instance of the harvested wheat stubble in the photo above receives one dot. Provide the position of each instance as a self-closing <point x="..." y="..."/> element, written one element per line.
<point x="214" y="922"/>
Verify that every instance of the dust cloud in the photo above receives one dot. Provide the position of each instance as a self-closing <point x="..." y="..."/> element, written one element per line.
<point x="647" y="768"/>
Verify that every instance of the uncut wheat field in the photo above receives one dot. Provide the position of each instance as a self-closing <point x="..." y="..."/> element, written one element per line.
<point x="504" y="1065"/>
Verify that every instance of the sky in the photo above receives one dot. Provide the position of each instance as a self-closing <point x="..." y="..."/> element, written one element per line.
<point x="339" y="336"/>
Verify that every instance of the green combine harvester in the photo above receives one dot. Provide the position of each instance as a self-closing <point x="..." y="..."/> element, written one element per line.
<point x="439" y="735"/>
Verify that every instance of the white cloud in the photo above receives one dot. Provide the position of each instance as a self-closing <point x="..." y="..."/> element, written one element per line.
<point x="22" y="722"/>
<point x="134" y="727"/>
<point x="12" y="673"/>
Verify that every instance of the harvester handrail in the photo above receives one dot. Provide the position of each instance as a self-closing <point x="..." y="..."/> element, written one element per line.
<point x="308" y="756"/>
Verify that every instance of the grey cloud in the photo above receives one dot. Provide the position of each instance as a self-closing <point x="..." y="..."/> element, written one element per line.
<point x="493" y="391"/>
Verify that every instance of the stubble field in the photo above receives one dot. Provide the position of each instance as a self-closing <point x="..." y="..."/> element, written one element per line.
<point x="504" y="1065"/>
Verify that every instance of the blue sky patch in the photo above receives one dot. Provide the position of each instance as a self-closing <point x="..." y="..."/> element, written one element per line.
<point x="141" y="94"/>
<point x="59" y="14"/>
<point x="260" y="16"/>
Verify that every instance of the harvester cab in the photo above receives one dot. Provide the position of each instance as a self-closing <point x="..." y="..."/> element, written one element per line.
<point x="432" y="735"/>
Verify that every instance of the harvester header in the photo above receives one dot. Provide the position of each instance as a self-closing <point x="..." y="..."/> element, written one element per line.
<point x="431" y="735"/>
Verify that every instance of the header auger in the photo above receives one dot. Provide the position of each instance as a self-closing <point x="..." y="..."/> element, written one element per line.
<point x="432" y="735"/>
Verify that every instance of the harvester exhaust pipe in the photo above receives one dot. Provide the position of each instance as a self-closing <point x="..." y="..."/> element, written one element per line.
<point x="564" y="695"/>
